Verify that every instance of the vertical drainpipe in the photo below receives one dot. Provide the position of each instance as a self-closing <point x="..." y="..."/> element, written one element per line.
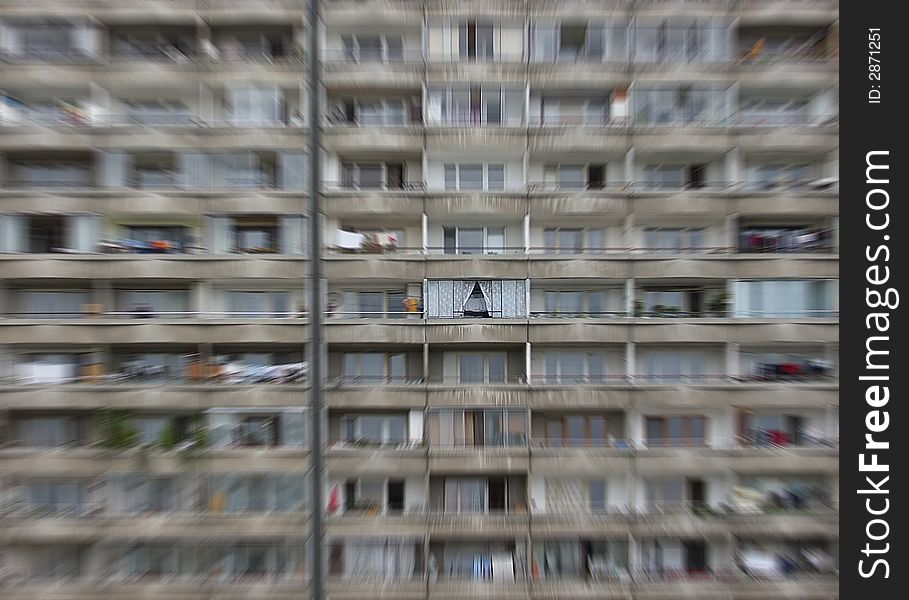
<point x="316" y="400"/>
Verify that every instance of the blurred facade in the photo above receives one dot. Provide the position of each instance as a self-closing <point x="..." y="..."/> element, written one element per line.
<point x="581" y="266"/>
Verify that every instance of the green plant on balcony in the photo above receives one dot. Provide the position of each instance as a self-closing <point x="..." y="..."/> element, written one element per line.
<point x="117" y="430"/>
<point x="638" y="308"/>
<point x="718" y="306"/>
<point x="170" y="437"/>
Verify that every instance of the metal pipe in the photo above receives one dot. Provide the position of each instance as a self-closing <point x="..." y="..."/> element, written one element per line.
<point x="316" y="400"/>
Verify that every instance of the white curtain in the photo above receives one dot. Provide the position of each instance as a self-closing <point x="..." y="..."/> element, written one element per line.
<point x="83" y="233"/>
<point x="13" y="236"/>
<point x="219" y="234"/>
<point x="291" y="234"/>
<point x="114" y="169"/>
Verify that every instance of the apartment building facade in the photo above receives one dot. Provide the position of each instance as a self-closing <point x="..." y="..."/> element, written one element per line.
<point x="580" y="285"/>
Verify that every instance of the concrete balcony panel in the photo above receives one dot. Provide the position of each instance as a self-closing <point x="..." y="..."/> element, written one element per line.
<point x="594" y="331"/>
<point x="345" y="140"/>
<point x="812" y="587"/>
<point x="788" y="74"/>
<point x="38" y="137"/>
<point x="442" y="205"/>
<point x="577" y="204"/>
<point x="476" y="8"/>
<point x="666" y="461"/>
<point x="492" y="524"/>
<point x="170" y="202"/>
<point x="784" y="203"/>
<point x="775" y="12"/>
<point x="507" y="140"/>
<point x="555" y="397"/>
<point x="145" y="266"/>
<point x="344" y="13"/>
<point x="190" y="527"/>
<point x="148" y="396"/>
<point x="476" y="331"/>
<point x="478" y="460"/>
<point x="769" y="140"/>
<point x="400" y="267"/>
<point x="720" y="74"/>
<point x="152" y="331"/>
<point x="584" y="139"/>
<point x="684" y="266"/>
<point x="663" y="140"/>
<point x="656" y="331"/>
<point x="367" y="77"/>
<point x="50" y="75"/>
<point x="579" y="461"/>
<point x="578" y="266"/>
<point x="821" y="331"/>
<point x="790" y="524"/>
<point x="555" y="75"/>
<point x="353" y="462"/>
<point x="582" y="589"/>
<point x="503" y="72"/>
<point x="369" y="203"/>
<point x="357" y="588"/>
<point x="447" y="266"/>
<point x="683" y="203"/>
<point x="680" y="525"/>
<point x="545" y="524"/>
<point x="753" y="461"/>
<point x="791" y="265"/>
<point x="459" y="589"/>
<point x="758" y="395"/>
<point x="381" y="397"/>
<point x="357" y="524"/>
<point x="439" y="395"/>
<point x="542" y="9"/>
<point x="369" y="331"/>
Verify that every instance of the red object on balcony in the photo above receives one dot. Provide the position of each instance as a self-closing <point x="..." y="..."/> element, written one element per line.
<point x="333" y="501"/>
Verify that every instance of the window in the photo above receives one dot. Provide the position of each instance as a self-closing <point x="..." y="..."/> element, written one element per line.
<point x="373" y="48"/>
<point x="476" y="41"/>
<point x="374" y="367"/>
<point x="478" y="367"/>
<point x="57" y="496"/>
<point x="474" y="240"/>
<point x="255" y="105"/>
<point x="578" y="303"/>
<point x="251" y="238"/>
<point x="784" y="298"/>
<point x="48" y="432"/>
<point x="149" y="303"/>
<point x="663" y="367"/>
<point x="574" y="367"/>
<point x="149" y="494"/>
<point x="674" y="239"/>
<point x="474" y="177"/>
<point x="567" y="496"/>
<point x="492" y="427"/>
<point x="465" y="495"/>
<point x="772" y="176"/>
<point x="258" y="305"/>
<point x="52" y="304"/>
<point x="152" y="561"/>
<point x="475" y="105"/>
<point x="576" y="177"/>
<point x="372" y="176"/>
<point x="676" y="430"/>
<point x="576" y="430"/>
<point x="665" y="492"/>
<point x="374" y="304"/>
<point x="375" y="429"/>
<point x="564" y="240"/>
